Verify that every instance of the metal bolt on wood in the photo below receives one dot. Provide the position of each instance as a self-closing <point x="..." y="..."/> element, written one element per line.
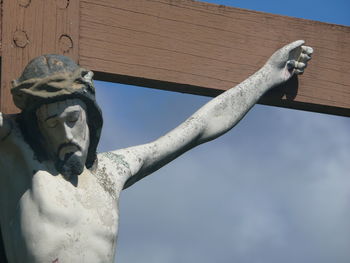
<point x="20" y="38"/>
<point x="65" y="43"/>
<point x="24" y="3"/>
<point x="62" y="3"/>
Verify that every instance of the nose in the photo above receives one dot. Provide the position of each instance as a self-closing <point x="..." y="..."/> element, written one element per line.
<point x="67" y="132"/>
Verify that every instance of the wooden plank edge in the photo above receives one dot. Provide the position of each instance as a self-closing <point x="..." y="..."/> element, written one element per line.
<point x="272" y="98"/>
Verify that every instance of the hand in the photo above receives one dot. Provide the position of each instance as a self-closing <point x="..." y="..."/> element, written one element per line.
<point x="2" y="132"/>
<point x="1" y="120"/>
<point x="289" y="60"/>
<point x="4" y="127"/>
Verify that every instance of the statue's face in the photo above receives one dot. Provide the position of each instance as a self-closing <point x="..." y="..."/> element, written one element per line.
<point x="65" y="130"/>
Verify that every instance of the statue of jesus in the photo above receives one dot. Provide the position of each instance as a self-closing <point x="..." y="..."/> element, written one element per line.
<point x="58" y="198"/>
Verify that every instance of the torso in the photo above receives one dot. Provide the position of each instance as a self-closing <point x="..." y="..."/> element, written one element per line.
<point x="45" y="218"/>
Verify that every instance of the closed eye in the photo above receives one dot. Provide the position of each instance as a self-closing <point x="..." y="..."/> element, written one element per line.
<point x="73" y="117"/>
<point x="51" y="123"/>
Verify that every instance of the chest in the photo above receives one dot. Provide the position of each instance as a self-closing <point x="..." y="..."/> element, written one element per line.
<point x="55" y="219"/>
<point x="59" y="201"/>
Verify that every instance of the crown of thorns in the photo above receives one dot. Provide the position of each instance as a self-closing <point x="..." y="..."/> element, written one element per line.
<point x="33" y="92"/>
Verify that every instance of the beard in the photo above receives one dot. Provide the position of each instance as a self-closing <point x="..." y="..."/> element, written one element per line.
<point x="72" y="165"/>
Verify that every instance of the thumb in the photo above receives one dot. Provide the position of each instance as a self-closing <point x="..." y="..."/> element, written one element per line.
<point x="294" y="45"/>
<point x="289" y="52"/>
<point x="293" y="50"/>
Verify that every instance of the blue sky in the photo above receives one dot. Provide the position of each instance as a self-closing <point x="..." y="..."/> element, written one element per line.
<point x="274" y="189"/>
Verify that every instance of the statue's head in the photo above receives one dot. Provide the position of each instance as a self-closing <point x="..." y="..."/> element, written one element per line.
<point x="60" y="118"/>
<point x="65" y="132"/>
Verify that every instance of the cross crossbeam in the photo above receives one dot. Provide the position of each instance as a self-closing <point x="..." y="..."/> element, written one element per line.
<point x="184" y="46"/>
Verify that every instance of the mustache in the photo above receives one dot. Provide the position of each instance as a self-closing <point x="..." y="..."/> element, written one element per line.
<point x="68" y="144"/>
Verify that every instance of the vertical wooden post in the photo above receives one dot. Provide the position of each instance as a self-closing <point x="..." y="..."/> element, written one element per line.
<point x="32" y="28"/>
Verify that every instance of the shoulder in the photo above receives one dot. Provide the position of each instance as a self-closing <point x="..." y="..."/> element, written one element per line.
<point x="122" y="164"/>
<point x="113" y="169"/>
<point x="131" y="158"/>
<point x="115" y="158"/>
<point x="7" y="125"/>
<point x="2" y="126"/>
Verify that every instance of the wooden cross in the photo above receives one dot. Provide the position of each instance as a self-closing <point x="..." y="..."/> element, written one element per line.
<point x="177" y="45"/>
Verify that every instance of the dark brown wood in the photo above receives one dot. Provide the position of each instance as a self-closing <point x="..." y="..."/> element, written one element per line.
<point x="202" y="48"/>
<point x="34" y="28"/>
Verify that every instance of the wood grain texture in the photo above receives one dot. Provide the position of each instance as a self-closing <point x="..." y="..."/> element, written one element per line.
<point x="178" y="45"/>
<point x="201" y="48"/>
<point x="35" y="28"/>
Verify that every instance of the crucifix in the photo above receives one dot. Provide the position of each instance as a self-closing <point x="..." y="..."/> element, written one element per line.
<point x="290" y="60"/>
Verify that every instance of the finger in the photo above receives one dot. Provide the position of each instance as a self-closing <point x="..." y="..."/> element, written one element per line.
<point x="291" y="64"/>
<point x="295" y="65"/>
<point x="298" y="71"/>
<point x="304" y="57"/>
<point x="294" y="45"/>
<point x="307" y="50"/>
<point x="300" y="65"/>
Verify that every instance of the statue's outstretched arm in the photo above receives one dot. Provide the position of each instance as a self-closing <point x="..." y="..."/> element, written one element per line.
<point x="220" y="114"/>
